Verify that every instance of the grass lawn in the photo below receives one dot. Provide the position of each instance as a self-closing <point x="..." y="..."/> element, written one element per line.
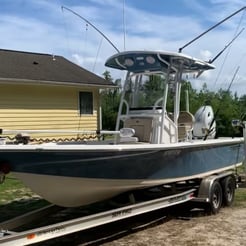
<point x="16" y="199"/>
<point x="240" y="198"/>
<point x="12" y="190"/>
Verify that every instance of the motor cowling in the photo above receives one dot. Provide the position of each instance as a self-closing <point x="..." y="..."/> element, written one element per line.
<point x="204" y="124"/>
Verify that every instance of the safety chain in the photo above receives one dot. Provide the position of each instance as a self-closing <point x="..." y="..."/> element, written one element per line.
<point x="26" y="139"/>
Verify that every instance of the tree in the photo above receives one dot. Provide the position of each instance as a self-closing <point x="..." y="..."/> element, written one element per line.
<point x="225" y="110"/>
<point x="110" y="99"/>
<point x="153" y="89"/>
<point x="192" y="97"/>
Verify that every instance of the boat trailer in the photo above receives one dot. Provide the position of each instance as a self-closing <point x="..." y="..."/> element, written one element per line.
<point x="212" y="191"/>
<point x="11" y="238"/>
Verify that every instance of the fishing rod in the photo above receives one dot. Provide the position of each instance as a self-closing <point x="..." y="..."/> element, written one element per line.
<point x="211" y="28"/>
<point x="210" y="129"/>
<point x="88" y="22"/>
<point x="220" y="53"/>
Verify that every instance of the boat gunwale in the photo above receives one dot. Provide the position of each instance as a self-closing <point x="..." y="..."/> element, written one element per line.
<point x="123" y="147"/>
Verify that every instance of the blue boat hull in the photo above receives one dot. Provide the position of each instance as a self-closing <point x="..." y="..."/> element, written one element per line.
<point x="100" y="174"/>
<point x="134" y="164"/>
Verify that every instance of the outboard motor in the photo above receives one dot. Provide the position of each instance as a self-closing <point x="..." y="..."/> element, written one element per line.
<point x="205" y="125"/>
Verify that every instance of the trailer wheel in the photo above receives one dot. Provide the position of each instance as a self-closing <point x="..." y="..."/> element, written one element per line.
<point x="215" y="198"/>
<point x="228" y="186"/>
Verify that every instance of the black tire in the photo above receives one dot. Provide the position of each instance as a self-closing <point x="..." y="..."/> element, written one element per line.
<point x="215" y="198"/>
<point x="228" y="186"/>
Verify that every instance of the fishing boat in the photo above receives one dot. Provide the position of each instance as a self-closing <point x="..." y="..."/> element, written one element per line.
<point x="152" y="145"/>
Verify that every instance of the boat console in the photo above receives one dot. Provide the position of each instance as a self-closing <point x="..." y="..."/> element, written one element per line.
<point x="150" y="102"/>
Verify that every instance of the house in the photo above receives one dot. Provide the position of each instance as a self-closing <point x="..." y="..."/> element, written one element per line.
<point x="43" y="91"/>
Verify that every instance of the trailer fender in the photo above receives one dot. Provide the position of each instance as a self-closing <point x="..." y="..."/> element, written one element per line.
<point x="206" y="185"/>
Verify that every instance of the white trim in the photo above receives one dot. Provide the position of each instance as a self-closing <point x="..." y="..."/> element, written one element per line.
<point x="119" y="147"/>
<point x="14" y="81"/>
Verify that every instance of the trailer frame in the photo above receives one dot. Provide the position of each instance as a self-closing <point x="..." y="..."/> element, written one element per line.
<point x="196" y="192"/>
<point x="11" y="238"/>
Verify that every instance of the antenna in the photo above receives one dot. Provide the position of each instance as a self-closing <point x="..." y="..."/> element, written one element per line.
<point x="62" y="7"/>
<point x="211" y="28"/>
<point x="124" y="25"/>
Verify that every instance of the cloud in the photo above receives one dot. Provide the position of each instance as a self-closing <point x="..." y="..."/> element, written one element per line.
<point x="41" y="26"/>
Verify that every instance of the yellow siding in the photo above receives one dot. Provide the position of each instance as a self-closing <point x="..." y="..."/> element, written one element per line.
<point x="32" y="107"/>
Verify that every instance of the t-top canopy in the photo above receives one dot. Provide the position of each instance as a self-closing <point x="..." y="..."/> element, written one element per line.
<point x="154" y="61"/>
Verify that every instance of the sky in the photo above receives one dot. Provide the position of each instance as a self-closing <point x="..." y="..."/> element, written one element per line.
<point x="42" y="26"/>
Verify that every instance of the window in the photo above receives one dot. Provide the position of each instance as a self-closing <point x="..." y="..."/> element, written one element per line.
<point x="86" y="102"/>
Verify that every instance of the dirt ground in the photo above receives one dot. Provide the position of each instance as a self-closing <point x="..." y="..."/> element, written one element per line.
<point x="168" y="228"/>
<point x="226" y="228"/>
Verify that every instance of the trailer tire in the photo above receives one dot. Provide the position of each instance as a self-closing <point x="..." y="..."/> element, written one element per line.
<point x="215" y="198"/>
<point x="228" y="186"/>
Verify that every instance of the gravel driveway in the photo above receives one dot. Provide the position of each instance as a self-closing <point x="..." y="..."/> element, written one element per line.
<point x="226" y="228"/>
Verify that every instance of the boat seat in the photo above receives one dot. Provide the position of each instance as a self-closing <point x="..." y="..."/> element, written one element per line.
<point x="128" y="140"/>
<point x="185" y="125"/>
<point x="142" y="126"/>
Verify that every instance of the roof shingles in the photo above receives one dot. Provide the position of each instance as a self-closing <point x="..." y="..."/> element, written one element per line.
<point x="18" y="65"/>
